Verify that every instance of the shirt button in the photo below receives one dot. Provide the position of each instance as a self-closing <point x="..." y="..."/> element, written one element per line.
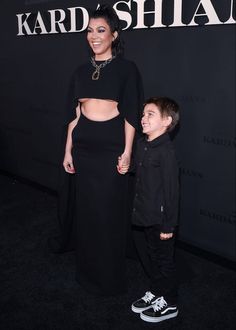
<point x="140" y="164"/>
<point x="136" y="195"/>
<point x="134" y="209"/>
<point x="145" y="148"/>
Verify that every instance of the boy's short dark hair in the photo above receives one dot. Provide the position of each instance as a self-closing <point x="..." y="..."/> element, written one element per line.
<point x="167" y="107"/>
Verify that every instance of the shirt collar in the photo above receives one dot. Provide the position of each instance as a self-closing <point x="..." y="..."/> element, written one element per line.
<point x="159" y="140"/>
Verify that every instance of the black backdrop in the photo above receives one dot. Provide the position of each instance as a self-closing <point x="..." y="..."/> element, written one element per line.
<point x="194" y="65"/>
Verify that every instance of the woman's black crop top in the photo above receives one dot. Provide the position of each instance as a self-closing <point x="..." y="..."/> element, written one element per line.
<point x="119" y="81"/>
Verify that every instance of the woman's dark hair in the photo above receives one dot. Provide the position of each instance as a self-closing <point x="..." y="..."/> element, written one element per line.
<point x="109" y="14"/>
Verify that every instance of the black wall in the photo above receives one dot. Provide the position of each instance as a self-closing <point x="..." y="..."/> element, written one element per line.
<point x="194" y="65"/>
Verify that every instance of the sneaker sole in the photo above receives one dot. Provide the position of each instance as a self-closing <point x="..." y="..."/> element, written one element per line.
<point x="140" y="310"/>
<point x="157" y="319"/>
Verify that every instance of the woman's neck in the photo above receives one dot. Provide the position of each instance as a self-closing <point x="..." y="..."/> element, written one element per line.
<point x="102" y="57"/>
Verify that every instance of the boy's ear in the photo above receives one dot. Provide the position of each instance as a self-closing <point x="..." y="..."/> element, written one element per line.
<point x="115" y="35"/>
<point x="168" y="121"/>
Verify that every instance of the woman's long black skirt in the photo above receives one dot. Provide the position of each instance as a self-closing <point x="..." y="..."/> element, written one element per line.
<point x="101" y="203"/>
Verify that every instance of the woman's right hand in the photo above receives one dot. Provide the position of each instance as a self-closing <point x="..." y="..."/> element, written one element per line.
<point x="123" y="163"/>
<point x="68" y="163"/>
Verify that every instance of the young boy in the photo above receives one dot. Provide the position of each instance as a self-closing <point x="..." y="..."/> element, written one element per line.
<point x="155" y="207"/>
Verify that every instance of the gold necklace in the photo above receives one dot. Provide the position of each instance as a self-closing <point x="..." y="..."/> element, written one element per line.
<point x="96" y="73"/>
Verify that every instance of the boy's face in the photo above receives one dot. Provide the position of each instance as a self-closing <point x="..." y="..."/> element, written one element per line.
<point x="153" y="123"/>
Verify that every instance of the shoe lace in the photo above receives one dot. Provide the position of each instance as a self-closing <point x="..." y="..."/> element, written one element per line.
<point x="158" y="304"/>
<point x="148" y="296"/>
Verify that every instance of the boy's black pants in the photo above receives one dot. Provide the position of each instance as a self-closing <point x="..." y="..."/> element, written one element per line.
<point x="157" y="257"/>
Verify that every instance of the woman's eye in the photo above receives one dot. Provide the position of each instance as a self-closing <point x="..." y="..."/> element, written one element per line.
<point x="88" y="30"/>
<point x="101" y="30"/>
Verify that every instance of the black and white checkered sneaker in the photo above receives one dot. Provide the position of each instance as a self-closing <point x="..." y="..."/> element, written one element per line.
<point x="159" y="311"/>
<point x="144" y="303"/>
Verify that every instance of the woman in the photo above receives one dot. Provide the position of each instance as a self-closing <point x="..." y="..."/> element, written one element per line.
<point x="105" y="100"/>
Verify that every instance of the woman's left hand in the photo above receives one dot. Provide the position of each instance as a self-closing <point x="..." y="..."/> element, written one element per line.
<point x="123" y="163"/>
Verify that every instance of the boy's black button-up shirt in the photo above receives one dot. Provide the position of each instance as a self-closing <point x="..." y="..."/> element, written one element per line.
<point x="156" y="196"/>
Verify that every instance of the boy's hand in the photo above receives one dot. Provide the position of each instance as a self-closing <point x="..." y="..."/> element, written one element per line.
<point x="123" y="163"/>
<point x="165" y="236"/>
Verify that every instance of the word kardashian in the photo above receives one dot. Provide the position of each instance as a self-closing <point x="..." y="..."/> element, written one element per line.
<point x="75" y="19"/>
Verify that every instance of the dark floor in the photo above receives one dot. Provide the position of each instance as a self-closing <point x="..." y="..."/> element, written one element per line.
<point x="38" y="290"/>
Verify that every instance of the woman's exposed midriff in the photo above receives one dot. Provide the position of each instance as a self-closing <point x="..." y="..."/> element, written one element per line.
<point x="99" y="109"/>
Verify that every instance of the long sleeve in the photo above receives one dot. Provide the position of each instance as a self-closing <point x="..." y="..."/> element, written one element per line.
<point x="170" y="177"/>
<point x="132" y="97"/>
<point x="71" y="101"/>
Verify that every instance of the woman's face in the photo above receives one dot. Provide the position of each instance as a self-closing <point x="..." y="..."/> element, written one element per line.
<point x="100" y="38"/>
